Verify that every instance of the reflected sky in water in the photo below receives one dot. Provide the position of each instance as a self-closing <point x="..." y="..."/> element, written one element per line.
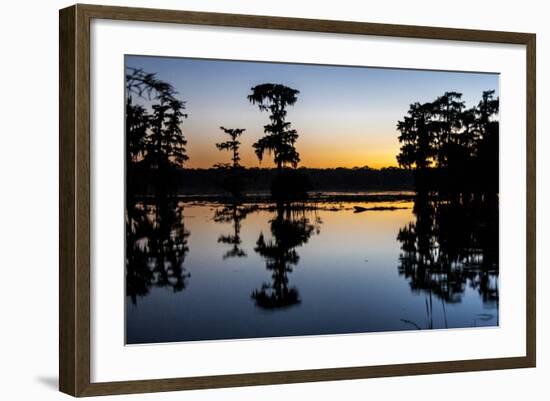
<point x="199" y="271"/>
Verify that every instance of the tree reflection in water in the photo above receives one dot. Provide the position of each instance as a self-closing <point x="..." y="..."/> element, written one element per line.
<point x="234" y="213"/>
<point x="452" y="244"/>
<point x="156" y="246"/>
<point x="290" y="228"/>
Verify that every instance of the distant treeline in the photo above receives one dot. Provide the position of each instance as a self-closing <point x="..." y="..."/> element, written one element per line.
<point x="211" y="181"/>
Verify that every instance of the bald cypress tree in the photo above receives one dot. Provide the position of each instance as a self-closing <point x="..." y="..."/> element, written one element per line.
<point x="279" y="138"/>
<point x="232" y="145"/>
<point x="451" y="148"/>
<point x="155" y="136"/>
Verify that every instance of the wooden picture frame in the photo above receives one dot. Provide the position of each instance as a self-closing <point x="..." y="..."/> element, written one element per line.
<point x="74" y="204"/>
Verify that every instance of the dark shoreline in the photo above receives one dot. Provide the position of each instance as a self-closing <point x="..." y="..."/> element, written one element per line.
<point x="317" y="197"/>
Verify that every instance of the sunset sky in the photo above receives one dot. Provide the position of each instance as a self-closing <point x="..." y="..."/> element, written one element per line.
<point x="345" y="116"/>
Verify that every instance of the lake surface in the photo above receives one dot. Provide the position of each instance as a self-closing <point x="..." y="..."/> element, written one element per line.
<point x="210" y="271"/>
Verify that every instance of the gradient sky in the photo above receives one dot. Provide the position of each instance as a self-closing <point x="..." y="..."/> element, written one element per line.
<point x="345" y="116"/>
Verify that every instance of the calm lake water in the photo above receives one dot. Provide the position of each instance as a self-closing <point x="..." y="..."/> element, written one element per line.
<point x="209" y="271"/>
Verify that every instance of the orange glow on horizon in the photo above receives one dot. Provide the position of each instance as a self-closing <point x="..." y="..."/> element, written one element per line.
<point x="337" y="152"/>
<point x="347" y="162"/>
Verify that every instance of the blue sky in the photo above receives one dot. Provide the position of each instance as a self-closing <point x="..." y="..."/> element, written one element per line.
<point x="345" y="116"/>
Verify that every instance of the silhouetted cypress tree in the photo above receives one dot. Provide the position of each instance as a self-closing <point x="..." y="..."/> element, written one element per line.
<point x="279" y="138"/>
<point x="451" y="149"/>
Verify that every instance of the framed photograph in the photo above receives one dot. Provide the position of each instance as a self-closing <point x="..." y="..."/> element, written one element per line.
<point x="250" y="200"/>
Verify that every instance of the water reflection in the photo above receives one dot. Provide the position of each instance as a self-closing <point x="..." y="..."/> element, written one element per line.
<point x="234" y="213"/>
<point x="452" y="244"/>
<point x="246" y="258"/>
<point x="156" y="247"/>
<point x="290" y="229"/>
